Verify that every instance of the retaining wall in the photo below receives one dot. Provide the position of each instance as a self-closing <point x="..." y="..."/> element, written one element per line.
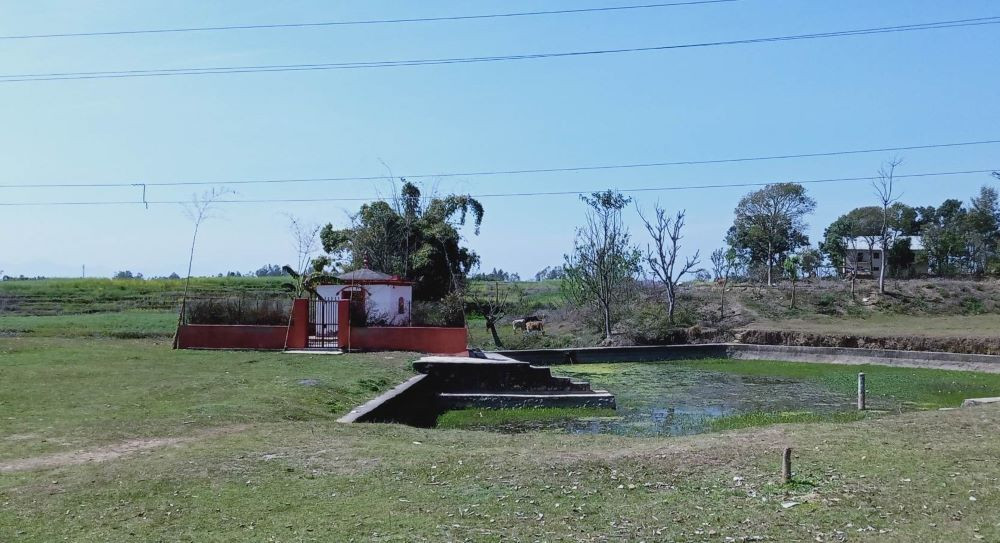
<point x="231" y="336"/>
<point x="739" y="351"/>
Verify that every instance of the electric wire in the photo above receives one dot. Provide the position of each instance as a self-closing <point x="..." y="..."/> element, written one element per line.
<point x="507" y="194"/>
<point x="522" y="171"/>
<point x="162" y="72"/>
<point x="268" y="26"/>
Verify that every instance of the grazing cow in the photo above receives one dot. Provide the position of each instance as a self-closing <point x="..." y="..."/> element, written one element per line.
<point x="534" y="326"/>
<point x="518" y="324"/>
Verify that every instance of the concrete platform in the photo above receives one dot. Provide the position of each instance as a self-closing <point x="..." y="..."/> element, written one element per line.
<point x="459" y="382"/>
<point x="975" y="402"/>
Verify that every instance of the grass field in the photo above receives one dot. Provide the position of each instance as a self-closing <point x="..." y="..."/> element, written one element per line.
<point x="75" y="296"/>
<point x="107" y="439"/>
<point x="123" y="325"/>
<point x="985" y="325"/>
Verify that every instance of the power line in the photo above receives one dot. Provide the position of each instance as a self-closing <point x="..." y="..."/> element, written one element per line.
<point x="162" y="72"/>
<point x="506" y="194"/>
<point x="264" y="26"/>
<point x="485" y="173"/>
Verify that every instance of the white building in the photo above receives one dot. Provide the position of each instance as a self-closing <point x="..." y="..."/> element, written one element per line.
<point x="383" y="299"/>
<point x="866" y="256"/>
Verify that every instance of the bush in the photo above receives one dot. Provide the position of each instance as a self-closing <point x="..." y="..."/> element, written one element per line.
<point x="250" y="311"/>
<point x="449" y="311"/>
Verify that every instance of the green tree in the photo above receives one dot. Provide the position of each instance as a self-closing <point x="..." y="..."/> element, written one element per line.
<point x="944" y="231"/>
<point x="602" y="267"/>
<point x="982" y="222"/>
<point x="770" y="222"/>
<point x="407" y="238"/>
<point x="792" y="265"/>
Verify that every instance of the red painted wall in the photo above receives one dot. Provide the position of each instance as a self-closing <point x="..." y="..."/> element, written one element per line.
<point x="407" y="338"/>
<point x="224" y="336"/>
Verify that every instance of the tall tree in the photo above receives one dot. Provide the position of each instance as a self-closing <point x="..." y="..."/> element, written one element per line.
<point x="411" y="236"/>
<point x="199" y="209"/>
<point x="983" y="225"/>
<point x="792" y="265"/>
<point x="770" y="222"/>
<point x="602" y="267"/>
<point x="724" y="261"/>
<point x="944" y="236"/>
<point x="887" y="196"/>
<point x="661" y="257"/>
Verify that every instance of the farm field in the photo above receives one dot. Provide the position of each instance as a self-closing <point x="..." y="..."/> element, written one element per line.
<point x="109" y="439"/>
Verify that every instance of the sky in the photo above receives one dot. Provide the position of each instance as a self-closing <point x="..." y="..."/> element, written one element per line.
<point x="877" y="91"/>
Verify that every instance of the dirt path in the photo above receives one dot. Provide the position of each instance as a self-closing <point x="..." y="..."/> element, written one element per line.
<point x="110" y="452"/>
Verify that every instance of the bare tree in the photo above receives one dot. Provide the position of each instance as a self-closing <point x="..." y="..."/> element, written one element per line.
<point x="199" y="209"/>
<point x="305" y="237"/>
<point x="662" y="255"/>
<point x="601" y="270"/>
<point x="495" y="302"/>
<point x="724" y="261"/>
<point x="886" y="196"/>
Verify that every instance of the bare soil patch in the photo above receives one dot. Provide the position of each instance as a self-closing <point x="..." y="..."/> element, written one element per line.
<point x="109" y="452"/>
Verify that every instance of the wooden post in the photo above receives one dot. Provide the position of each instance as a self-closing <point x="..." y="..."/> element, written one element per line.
<point x="786" y="466"/>
<point x="861" y="392"/>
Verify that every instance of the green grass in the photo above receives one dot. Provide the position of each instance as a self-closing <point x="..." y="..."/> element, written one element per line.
<point x="257" y="456"/>
<point x="66" y="394"/>
<point x="911" y="387"/>
<point x="750" y="420"/>
<point x="124" y="325"/>
<point x="480" y="418"/>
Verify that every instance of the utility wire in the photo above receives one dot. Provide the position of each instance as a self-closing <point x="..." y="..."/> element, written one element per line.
<point x="506" y="172"/>
<point x="263" y="26"/>
<point x="162" y="72"/>
<point x="508" y="194"/>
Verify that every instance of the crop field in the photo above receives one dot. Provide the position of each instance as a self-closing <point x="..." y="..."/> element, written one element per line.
<point x="109" y="435"/>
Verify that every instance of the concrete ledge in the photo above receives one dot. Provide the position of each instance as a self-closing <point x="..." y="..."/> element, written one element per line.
<point x="976" y="402"/>
<point x="493" y="400"/>
<point x="382" y="407"/>
<point x="740" y="351"/>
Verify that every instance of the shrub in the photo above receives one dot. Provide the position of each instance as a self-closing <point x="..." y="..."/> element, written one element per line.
<point x="449" y="311"/>
<point x="238" y="311"/>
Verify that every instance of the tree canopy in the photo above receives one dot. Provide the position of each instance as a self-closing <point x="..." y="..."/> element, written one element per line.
<point x="411" y="236"/>
<point x="770" y="223"/>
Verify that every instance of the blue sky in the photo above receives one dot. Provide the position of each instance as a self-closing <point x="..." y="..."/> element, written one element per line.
<point x="794" y="97"/>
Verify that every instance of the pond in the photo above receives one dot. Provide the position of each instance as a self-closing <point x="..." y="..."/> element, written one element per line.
<point x="682" y="398"/>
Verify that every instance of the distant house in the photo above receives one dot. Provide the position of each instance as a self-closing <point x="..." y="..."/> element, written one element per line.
<point x="865" y="256"/>
<point x="374" y="296"/>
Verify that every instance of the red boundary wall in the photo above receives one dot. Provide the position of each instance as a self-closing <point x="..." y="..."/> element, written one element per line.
<point x="408" y="338"/>
<point x="225" y="336"/>
<point x="433" y="340"/>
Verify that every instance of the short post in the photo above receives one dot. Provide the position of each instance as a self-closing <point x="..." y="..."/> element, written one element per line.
<point x="861" y="392"/>
<point x="786" y="466"/>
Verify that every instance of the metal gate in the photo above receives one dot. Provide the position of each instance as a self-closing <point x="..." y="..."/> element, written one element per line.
<point x="323" y="325"/>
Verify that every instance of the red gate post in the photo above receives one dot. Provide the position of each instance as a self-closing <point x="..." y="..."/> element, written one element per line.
<point x="298" y="330"/>
<point x="344" y="324"/>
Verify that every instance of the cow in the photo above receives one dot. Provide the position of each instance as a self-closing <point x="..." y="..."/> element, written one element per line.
<point x="521" y="323"/>
<point x="534" y="326"/>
